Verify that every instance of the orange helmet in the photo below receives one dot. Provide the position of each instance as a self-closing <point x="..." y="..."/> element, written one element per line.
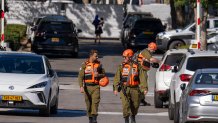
<point x="152" y="46"/>
<point x="104" y="81"/>
<point x="128" y="53"/>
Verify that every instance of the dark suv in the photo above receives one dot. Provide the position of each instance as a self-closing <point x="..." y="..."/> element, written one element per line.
<point x="129" y="19"/>
<point x="56" y="34"/>
<point x="142" y="32"/>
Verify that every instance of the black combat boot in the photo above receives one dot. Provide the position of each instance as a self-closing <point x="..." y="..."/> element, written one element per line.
<point x="94" y="119"/>
<point x="144" y="103"/>
<point x="90" y="119"/>
<point x="126" y="119"/>
<point x="133" y="119"/>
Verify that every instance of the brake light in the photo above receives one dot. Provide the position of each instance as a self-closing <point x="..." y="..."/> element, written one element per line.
<point x="185" y="77"/>
<point x="193" y="116"/>
<point x="165" y="67"/>
<point x="40" y="33"/>
<point x="199" y="92"/>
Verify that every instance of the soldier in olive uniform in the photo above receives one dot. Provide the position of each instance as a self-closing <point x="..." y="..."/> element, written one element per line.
<point x="128" y="78"/>
<point x="146" y="55"/>
<point x="90" y="73"/>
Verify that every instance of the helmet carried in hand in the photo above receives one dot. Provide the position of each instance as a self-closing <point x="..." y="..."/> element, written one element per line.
<point x="104" y="81"/>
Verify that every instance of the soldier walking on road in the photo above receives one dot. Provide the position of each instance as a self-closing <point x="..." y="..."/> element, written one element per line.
<point x="145" y="59"/>
<point x="130" y="81"/>
<point x="90" y="73"/>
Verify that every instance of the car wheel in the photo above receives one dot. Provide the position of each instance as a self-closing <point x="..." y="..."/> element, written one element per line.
<point x="46" y="111"/>
<point x="176" y="113"/>
<point x="54" y="109"/>
<point x="157" y="101"/>
<point x="75" y="54"/>
<point x="170" y="110"/>
<point x="175" y="44"/>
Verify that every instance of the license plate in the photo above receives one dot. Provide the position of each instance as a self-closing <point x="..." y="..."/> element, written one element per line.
<point x="12" y="98"/>
<point x="149" y="33"/>
<point x="215" y="97"/>
<point x="55" y="39"/>
<point x="194" y="45"/>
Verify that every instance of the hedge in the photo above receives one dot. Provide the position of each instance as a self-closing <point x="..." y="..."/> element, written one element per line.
<point x="13" y="34"/>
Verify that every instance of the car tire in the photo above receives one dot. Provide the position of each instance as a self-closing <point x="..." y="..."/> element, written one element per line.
<point x="46" y="111"/>
<point x="175" y="44"/>
<point x="54" y="108"/>
<point x="176" y="113"/>
<point x="75" y="54"/>
<point x="170" y="109"/>
<point x="157" y="101"/>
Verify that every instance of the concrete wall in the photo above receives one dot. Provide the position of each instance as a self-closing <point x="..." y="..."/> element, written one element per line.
<point x="23" y="12"/>
<point x="83" y="16"/>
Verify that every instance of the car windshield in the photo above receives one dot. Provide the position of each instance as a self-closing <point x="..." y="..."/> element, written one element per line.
<point x="173" y="59"/>
<point x="207" y="78"/>
<point x="37" y="21"/>
<point x="55" y="26"/>
<point x="186" y="27"/>
<point x="195" y="63"/>
<point x="21" y="64"/>
<point x="154" y="25"/>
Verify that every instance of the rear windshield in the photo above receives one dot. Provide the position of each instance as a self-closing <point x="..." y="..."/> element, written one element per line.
<point x="55" y="26"/>
<point x="154" y="25"/>
<point x="195" y="63"/>
<point x="207" y="78"/>
<point x="21" y="65"/>
<point x="173" y="59"/>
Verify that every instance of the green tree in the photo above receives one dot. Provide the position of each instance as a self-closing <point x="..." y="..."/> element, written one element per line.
<point x="6" y="5"/>
<point x="178" y="14"/>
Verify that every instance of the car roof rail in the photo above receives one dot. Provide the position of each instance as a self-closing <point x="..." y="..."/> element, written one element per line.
<point x="191" y="51"/>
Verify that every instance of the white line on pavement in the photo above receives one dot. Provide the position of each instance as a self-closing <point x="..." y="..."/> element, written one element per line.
<point x="108" y="88"/>
<point x="116" y="113"/>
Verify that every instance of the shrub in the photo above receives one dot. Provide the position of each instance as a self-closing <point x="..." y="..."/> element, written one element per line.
<point x="13" y="34"/>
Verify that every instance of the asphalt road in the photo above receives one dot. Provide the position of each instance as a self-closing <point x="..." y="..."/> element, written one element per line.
<point x="71" y="101"/>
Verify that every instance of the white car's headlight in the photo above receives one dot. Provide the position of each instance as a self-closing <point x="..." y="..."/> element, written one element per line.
<point x="39" y="85"/>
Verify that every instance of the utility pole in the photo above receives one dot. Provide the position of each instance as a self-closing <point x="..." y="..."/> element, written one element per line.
<point x="196" y="44"/>
<point x="2" y="23"/>
<point x="198" y="24"/>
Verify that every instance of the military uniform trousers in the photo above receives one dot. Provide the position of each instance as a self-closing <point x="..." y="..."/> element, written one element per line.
<point x="131" y="101"/>
<point x="92" y="99"/>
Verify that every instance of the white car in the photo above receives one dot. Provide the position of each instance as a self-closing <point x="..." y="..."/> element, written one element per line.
<point x="27" y="81"/>
<point x="192" y="60"/>
<point x="164" y="74"/>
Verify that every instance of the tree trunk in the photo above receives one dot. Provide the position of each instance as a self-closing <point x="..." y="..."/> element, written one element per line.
<point x="173" y="14"/>
<point x="204" y="30"/>
<point x="180" y="16"/>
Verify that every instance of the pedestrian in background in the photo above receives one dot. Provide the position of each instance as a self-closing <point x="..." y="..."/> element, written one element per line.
<point x="99" y="30"/>
<point x="90" y="73"/>
<point x="130" y="80"/>
<point x="96" y="22"/>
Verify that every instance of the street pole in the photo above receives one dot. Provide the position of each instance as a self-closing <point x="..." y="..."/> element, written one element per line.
<point x="2" y="23"/>
<point x="198" y="24"/>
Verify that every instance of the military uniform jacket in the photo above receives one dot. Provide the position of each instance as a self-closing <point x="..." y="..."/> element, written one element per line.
<point x="142" y="78"/>
<point x="82" y="73"/>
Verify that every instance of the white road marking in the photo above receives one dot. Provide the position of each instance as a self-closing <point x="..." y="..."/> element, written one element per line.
<point x="108" y="88"/>
<point x="141" y="114"/>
